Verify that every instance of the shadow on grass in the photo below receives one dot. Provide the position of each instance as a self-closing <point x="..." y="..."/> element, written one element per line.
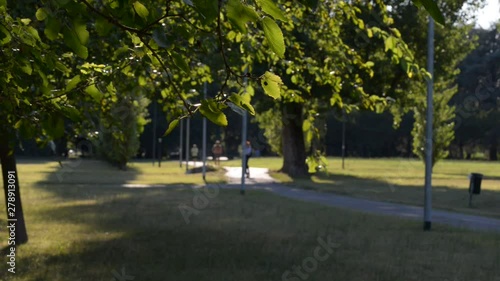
<point x="142" y="233"/>
<point x="444" y="197"/>
<point x="105" y="232"/>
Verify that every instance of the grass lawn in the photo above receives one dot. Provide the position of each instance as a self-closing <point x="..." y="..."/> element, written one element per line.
<point x="402" y="180"/>
<point x="90" y="172"/>
<point x="99" y="231"/>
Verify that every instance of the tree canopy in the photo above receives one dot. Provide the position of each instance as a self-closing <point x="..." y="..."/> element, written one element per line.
<point x="61" y="58"/>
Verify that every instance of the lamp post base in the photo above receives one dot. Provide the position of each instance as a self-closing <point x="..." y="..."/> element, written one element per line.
<point x="427" y="225"/>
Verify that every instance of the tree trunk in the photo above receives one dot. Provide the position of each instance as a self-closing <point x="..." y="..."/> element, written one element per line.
<point x="493" y="148"/>
<point x="461" y="150"/>
<point x="14" y="209"/>
<point x="294" y="150"/>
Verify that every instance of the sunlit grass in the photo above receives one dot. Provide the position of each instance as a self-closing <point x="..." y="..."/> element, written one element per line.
<point x="85" y="172"/>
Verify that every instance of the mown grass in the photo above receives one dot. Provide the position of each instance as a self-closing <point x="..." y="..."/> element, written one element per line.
<point x="89" y="232"/>
<point x="402" y="181"/>
<point x="85" y="172"/>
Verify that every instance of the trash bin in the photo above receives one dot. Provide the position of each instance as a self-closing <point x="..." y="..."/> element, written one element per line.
<point x="475" y="183"/>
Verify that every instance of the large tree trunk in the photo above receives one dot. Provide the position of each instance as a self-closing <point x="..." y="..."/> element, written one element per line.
<point x="15" y="208"/>
<point x="294" y="150"/>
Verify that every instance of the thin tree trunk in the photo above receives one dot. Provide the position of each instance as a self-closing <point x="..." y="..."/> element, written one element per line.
<point x="460" y="150"/>
<point x="493" y="148"/>
<point x="294" y="150"/>
<point x="15" y="211"/>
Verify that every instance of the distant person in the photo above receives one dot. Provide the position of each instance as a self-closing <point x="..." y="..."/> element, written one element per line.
<point x="194" y="152"/>
<point x="53" y="148"/>
<point x="248" y="153"/>
<point x="217" y="151"/>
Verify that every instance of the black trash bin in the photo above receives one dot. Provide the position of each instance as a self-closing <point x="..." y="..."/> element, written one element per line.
<point x="475" y="183"/>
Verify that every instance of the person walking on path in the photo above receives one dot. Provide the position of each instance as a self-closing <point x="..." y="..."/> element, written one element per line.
<point x="217" y="152"/>
<point x="248" y="153"/>
<point x="53" y="149"/>
<point x="194" y="153"/>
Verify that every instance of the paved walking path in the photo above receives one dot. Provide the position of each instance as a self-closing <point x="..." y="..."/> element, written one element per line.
<point x="260" y="179"/>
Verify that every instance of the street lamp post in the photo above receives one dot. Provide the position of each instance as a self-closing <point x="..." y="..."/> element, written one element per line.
<point x="204" y="141"/>
<point x="343" y="137"/>
<point x="428" y="143"/>
<point x="187" y="144"/>
<point x="180" y="142"/>
<point x="154" y="131"/>
<point x="159" y="152"/>
<point x="243" y="141"/>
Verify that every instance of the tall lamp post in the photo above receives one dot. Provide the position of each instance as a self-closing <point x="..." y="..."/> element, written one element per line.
<point x="159" y="152"/>
<point x="204" y="136"/>
<point x="428" y="143"/>
<point x="180" y="142"/>
<point x="243" y="141"/>
<point x="343" y="137"/>
<point x="187" y="144"/>
<point x="154" y="130"/>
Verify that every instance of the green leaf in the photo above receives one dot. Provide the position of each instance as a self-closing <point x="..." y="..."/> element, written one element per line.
<point x="270" y="8"/>
<point x="208" y="9"/>
<point x="210" y="110"/>
<point x="390" y="43"/>
<point x="369" y="64"/>
<point x="71" y="40"/>
<point x="274" y="36"/>
<point x="3" y="3"/>
<point x="111" y="88"/>
<point x="26" y="66"/>
<point x="61" y="67"/>
<point x="306" y="125"/>
<point x="26" y="21"/>
<point x="171" y="126"/>
<point x="73" y="83"/>
<point x="26" y="128"/>
<point x="52" y="28"/>
<point x="160" y="37"/>
<point x="54" y="125"/>
<point x="81" y="31"/>
<point x="271" y="84"/>
<point x="181" y="63"/>
<point x="33" y="33"/>
<point x="94" y="92"/>
<point x="72" y="113"/>
<point x="432" y="8"/>
<point x="102" y="26"/>
<point x="240" y="14"/>
<point x="142" y="81"/>
<point x="5" y="36"/>
<point x="141" y="10"/>
<point x="41" y="14"/>
<point x="242" y="101"/>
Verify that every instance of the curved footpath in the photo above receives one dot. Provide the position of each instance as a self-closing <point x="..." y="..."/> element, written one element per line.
<point x="260" y="179"/>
